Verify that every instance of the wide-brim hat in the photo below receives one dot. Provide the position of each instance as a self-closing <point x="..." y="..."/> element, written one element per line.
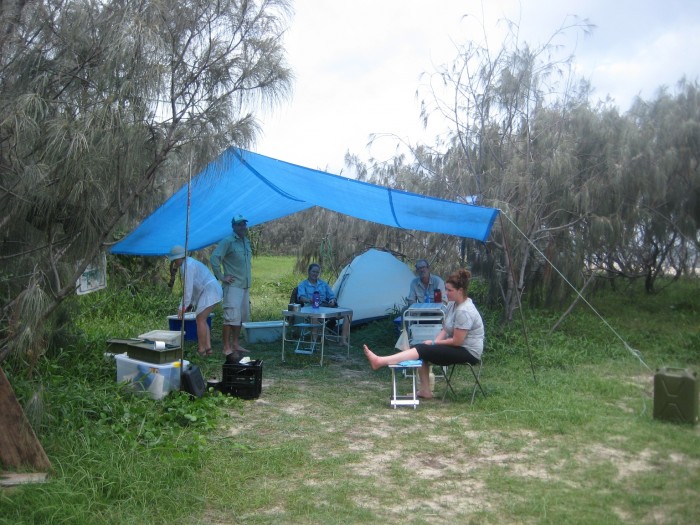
<point x="176" y="252"/>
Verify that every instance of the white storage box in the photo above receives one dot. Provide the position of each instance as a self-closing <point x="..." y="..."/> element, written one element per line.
<point x="263" y="332"/>
<point x="153" y="378"/>
<point x="171" y="337"/>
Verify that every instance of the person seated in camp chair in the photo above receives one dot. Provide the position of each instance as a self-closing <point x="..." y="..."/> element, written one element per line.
<point x="461" y="339"/>
<point x="423" y="287"/>
<point x="307" y="287"/>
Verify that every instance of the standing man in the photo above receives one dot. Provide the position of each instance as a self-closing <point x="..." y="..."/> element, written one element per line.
<point x="425" y="284"/>
<point x="230" y="262"/>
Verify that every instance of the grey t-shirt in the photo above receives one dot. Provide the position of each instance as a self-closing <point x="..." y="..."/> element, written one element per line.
<point x="466" y="317"/>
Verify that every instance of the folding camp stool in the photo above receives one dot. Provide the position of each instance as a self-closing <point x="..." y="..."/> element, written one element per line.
<point x="449" y="371"/>
<point x="405" y="366"/>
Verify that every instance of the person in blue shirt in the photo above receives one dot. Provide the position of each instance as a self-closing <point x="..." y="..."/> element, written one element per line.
<point x="307" y="287"/>
<point x="423" y="287"/>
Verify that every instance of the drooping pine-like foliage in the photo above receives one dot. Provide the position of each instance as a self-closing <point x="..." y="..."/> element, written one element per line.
<point x="105" y="106"/>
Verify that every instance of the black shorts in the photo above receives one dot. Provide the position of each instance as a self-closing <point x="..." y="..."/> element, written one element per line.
<point x="443" y="355"/>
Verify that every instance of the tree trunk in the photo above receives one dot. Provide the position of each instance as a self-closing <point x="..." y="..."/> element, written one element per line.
<point x="19" y="447"/>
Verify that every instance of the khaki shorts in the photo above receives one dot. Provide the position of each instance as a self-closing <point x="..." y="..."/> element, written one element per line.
<point x="236" y="305"/>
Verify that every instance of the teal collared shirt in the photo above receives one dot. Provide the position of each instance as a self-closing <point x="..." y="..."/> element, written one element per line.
<point x="233" y="256"/>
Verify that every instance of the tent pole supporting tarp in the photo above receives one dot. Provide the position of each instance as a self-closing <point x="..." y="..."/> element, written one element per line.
<point x="184" y="272"/>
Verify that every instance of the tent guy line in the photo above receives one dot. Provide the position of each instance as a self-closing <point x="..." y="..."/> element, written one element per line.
<point x="635" y="353"/>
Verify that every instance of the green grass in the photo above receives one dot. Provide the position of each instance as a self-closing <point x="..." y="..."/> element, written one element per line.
<point x="575" y="444"/>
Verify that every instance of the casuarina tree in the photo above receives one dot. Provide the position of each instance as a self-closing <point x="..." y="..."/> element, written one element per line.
<point x="101" y="103"/>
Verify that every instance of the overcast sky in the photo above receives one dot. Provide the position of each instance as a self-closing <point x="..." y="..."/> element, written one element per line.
<point x="358" y="63"/>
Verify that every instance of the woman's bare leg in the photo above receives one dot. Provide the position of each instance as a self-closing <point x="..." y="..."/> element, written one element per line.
<point x="424" y="375"/>
<point x="203" y="334"/>
<point x="377" y="361"/>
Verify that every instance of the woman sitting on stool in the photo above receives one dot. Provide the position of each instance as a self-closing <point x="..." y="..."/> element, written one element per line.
<point x="461" y="339"/>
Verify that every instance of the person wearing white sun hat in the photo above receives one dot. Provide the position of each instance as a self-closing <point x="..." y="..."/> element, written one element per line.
<point x="200" y="289"/>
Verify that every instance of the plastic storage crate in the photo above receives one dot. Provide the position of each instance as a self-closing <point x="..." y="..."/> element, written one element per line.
<point x="157" y="380"/>
<point x="145" y="351"/>
<point x="263" y="331"/>
<point x="167" y="336"/>
<point x="244" y="381"/>
<point x="151" y="354"/>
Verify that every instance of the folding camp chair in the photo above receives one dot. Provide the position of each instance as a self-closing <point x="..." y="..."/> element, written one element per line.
<point x="476" y="372"/>
<point x="424" y="332"/>
<point x="417" y="333"/>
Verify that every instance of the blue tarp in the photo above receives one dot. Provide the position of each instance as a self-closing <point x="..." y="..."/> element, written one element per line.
<point x="263" y="189"/>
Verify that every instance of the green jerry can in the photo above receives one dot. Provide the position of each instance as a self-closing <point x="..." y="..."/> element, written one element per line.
<point x="676" y="395"/>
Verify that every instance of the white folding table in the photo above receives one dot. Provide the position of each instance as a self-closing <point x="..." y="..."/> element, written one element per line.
<point x="313" y="325"/>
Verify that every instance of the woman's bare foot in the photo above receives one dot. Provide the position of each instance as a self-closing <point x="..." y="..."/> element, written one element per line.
<point x="373" y="358"/>
<point x="239" y="348"/>
<point x="425" y="395"/>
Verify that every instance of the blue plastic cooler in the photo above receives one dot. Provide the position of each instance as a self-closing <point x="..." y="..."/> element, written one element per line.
<point x="190" y="325"/>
